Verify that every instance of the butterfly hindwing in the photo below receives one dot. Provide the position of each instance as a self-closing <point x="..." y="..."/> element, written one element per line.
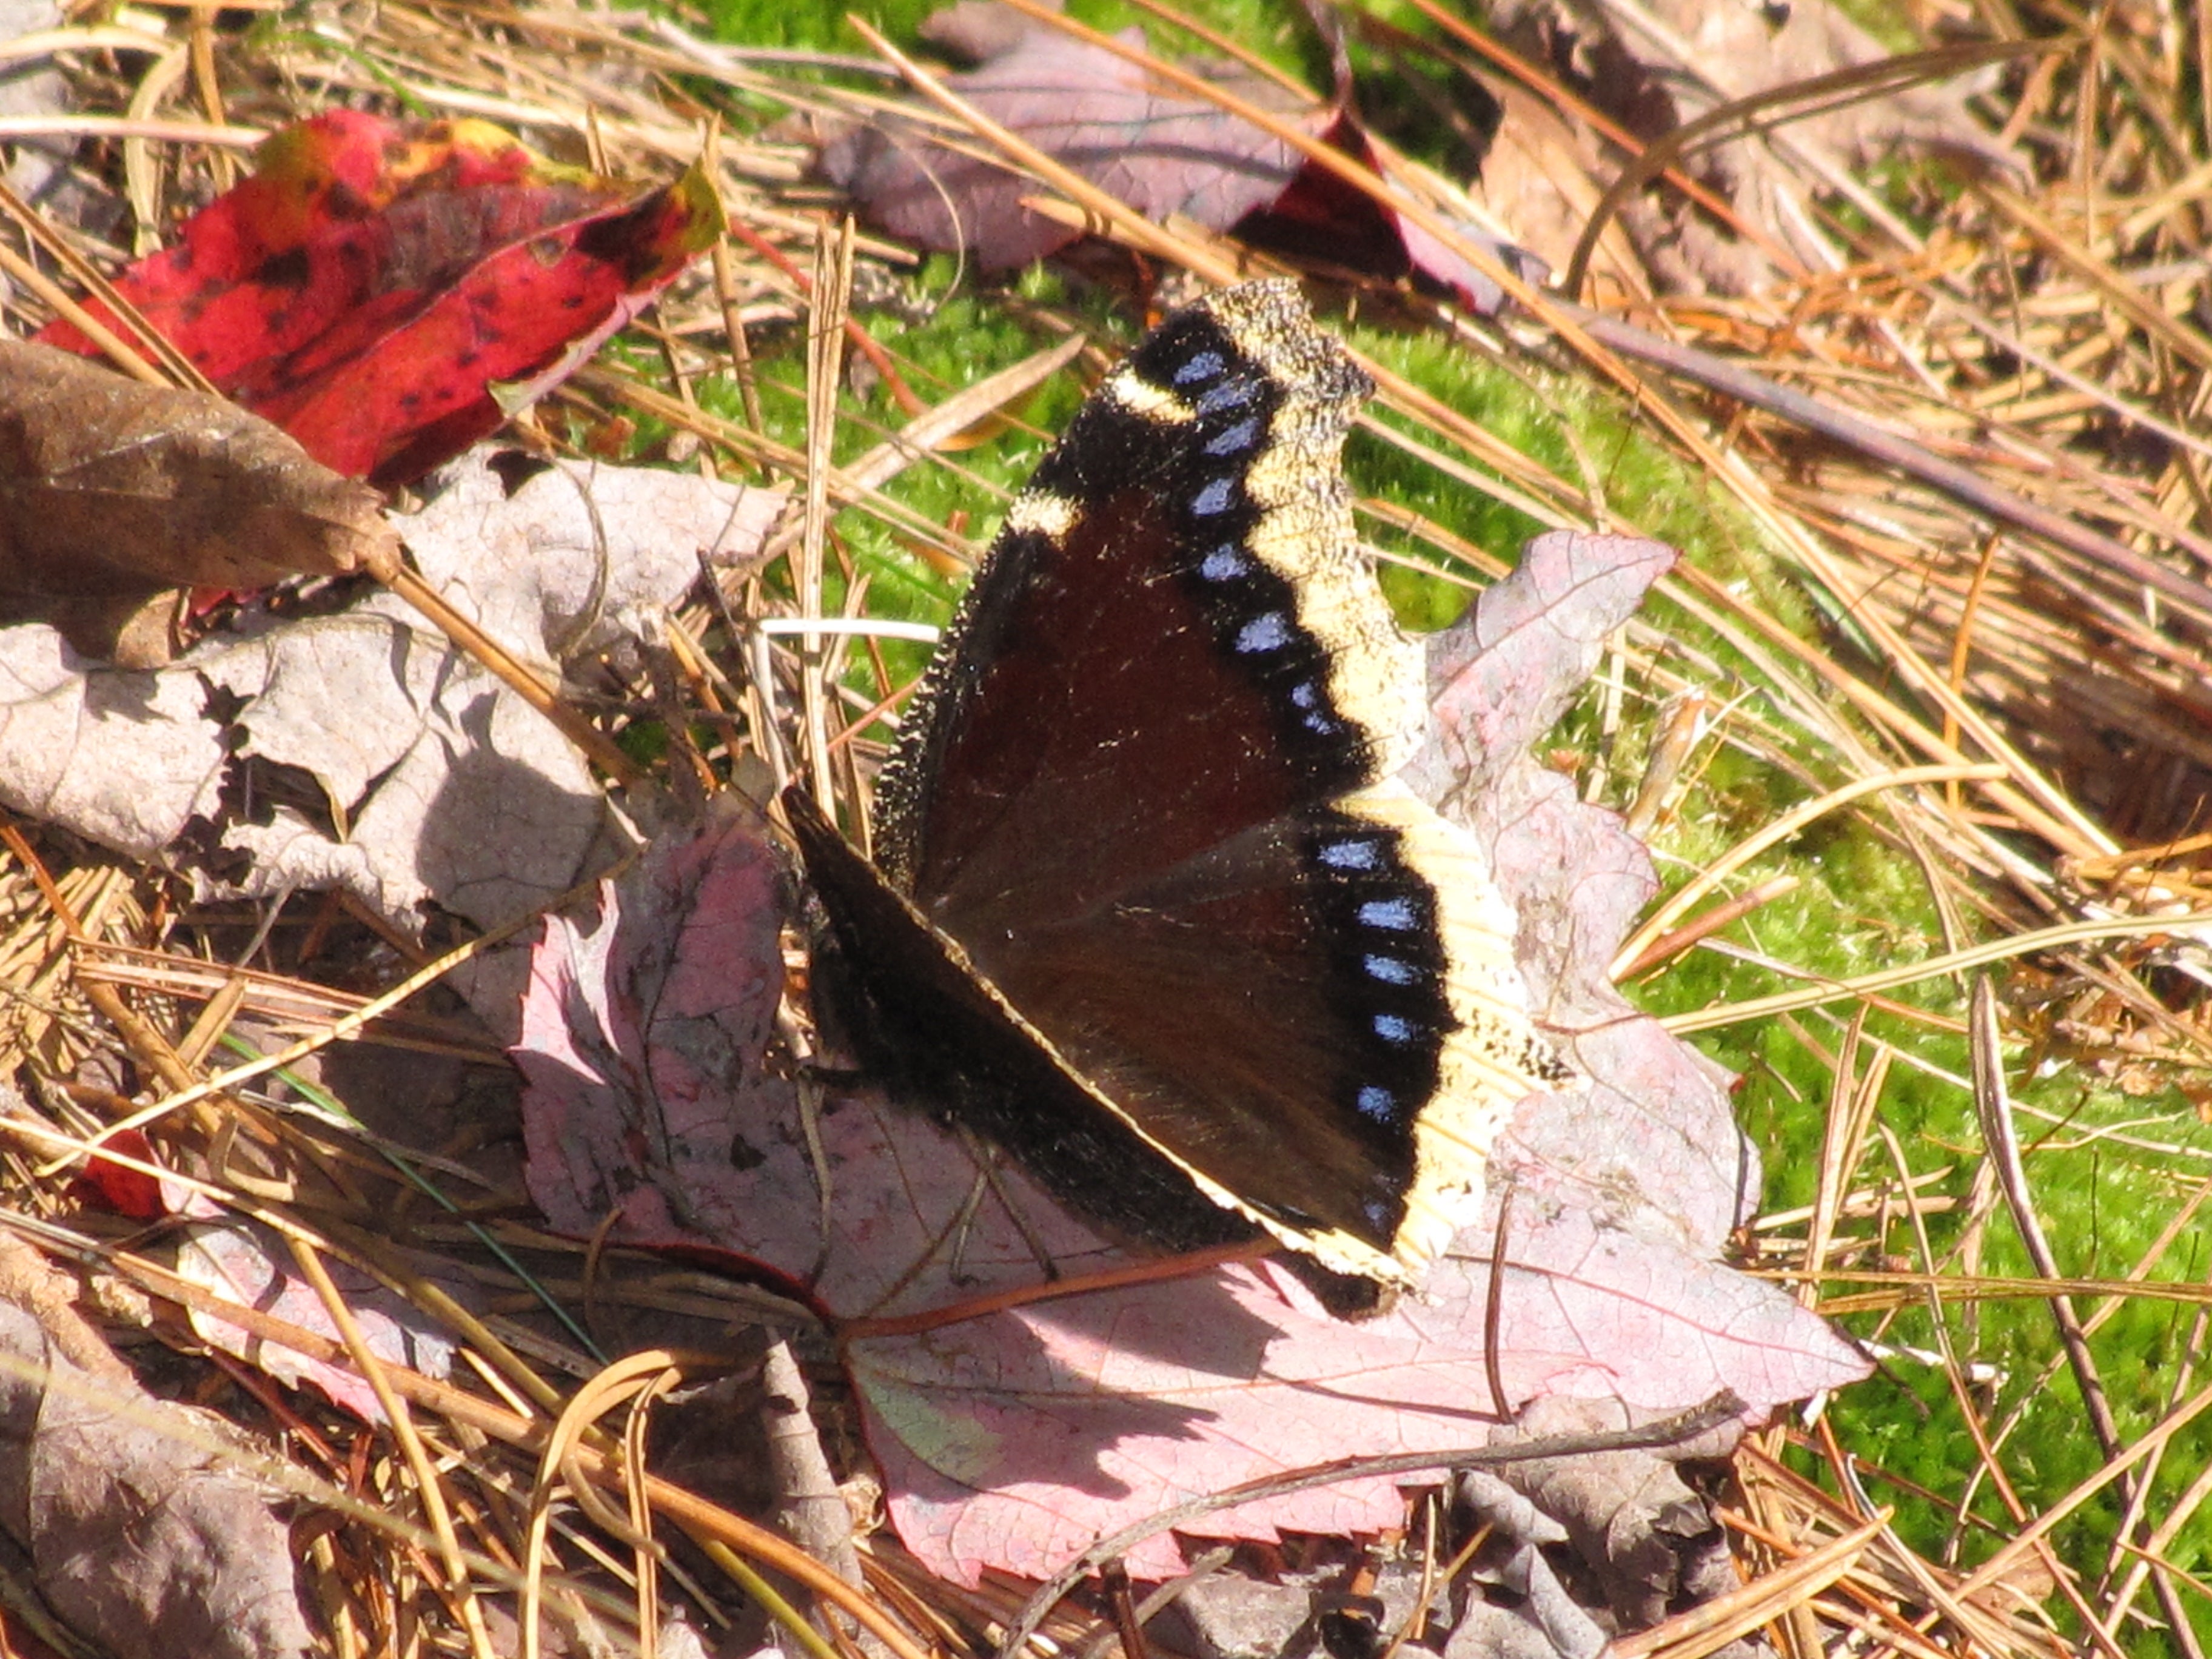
<point x="933" y="1030"/>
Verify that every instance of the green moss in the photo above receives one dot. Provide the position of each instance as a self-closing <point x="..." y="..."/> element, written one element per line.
<point x="1268" y="30"/>
<point x="1862" y="906"/>
<point x="1260" y="26"/>
<point x="939" y="341"/>
<point x="1889" y="23"/>
<point x="816" y="23"/>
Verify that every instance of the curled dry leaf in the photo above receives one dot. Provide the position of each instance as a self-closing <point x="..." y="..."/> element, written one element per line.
<point x="1321" y="216"/>
<point x="1648" y="1143"/>
<point x="244" y="1262"/>
<point x="1646" y="1540"/>
<point x="1654" y="68"/>
<point x="1011" y="1442"/>
<point x="1159" y="150"/>
<point x="111" y="491"/>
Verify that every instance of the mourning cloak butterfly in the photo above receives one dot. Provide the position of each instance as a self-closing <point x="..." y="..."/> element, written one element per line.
<point x="1145" y="908"/>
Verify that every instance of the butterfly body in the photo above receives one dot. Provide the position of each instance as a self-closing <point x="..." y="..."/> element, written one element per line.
<point x="1145" y="907"/>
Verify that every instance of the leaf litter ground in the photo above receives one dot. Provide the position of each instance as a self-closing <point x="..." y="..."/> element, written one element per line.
<point x="1932" y="628"/>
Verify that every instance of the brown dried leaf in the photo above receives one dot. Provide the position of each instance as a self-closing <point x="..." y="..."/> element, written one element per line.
<point x="1542" y="177"/>
<point x="1653" y="69"/>
<point x="246" y="1263"/>
<point x="139" y="1539"/>
<point x="1648" y="1542"/>
<point x="111" y="491"/>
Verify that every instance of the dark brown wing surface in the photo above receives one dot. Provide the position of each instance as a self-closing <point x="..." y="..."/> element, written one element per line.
<point x="1134" y="828"/>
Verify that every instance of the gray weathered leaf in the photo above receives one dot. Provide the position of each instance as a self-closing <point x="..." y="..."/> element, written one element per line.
<point x="141" y="1540"/>
<point x="426" y="780"/>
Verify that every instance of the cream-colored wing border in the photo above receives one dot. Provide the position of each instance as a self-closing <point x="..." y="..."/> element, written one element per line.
<point x="1303" y="529"/>
<point x="1494" y="1057"/>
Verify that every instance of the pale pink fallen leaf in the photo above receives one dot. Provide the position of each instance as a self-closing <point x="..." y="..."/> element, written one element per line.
<point x="1010" y="1441"/>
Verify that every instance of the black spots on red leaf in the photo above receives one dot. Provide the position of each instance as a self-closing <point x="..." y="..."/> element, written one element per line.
<point x="342" y="201"/>
<point x="289" y="270"/>
<point x="625" y="241"/>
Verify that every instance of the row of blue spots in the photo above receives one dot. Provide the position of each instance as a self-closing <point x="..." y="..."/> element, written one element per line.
<point x="1233" y="393"/>
<point x="1270" y="630"/>
<point x="1305" y="695"/>
<point x="1209" y="365"/>
<point x="1364" y="854"/>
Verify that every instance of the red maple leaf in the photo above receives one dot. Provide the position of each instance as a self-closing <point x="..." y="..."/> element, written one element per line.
<point x="374" y="282"/>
